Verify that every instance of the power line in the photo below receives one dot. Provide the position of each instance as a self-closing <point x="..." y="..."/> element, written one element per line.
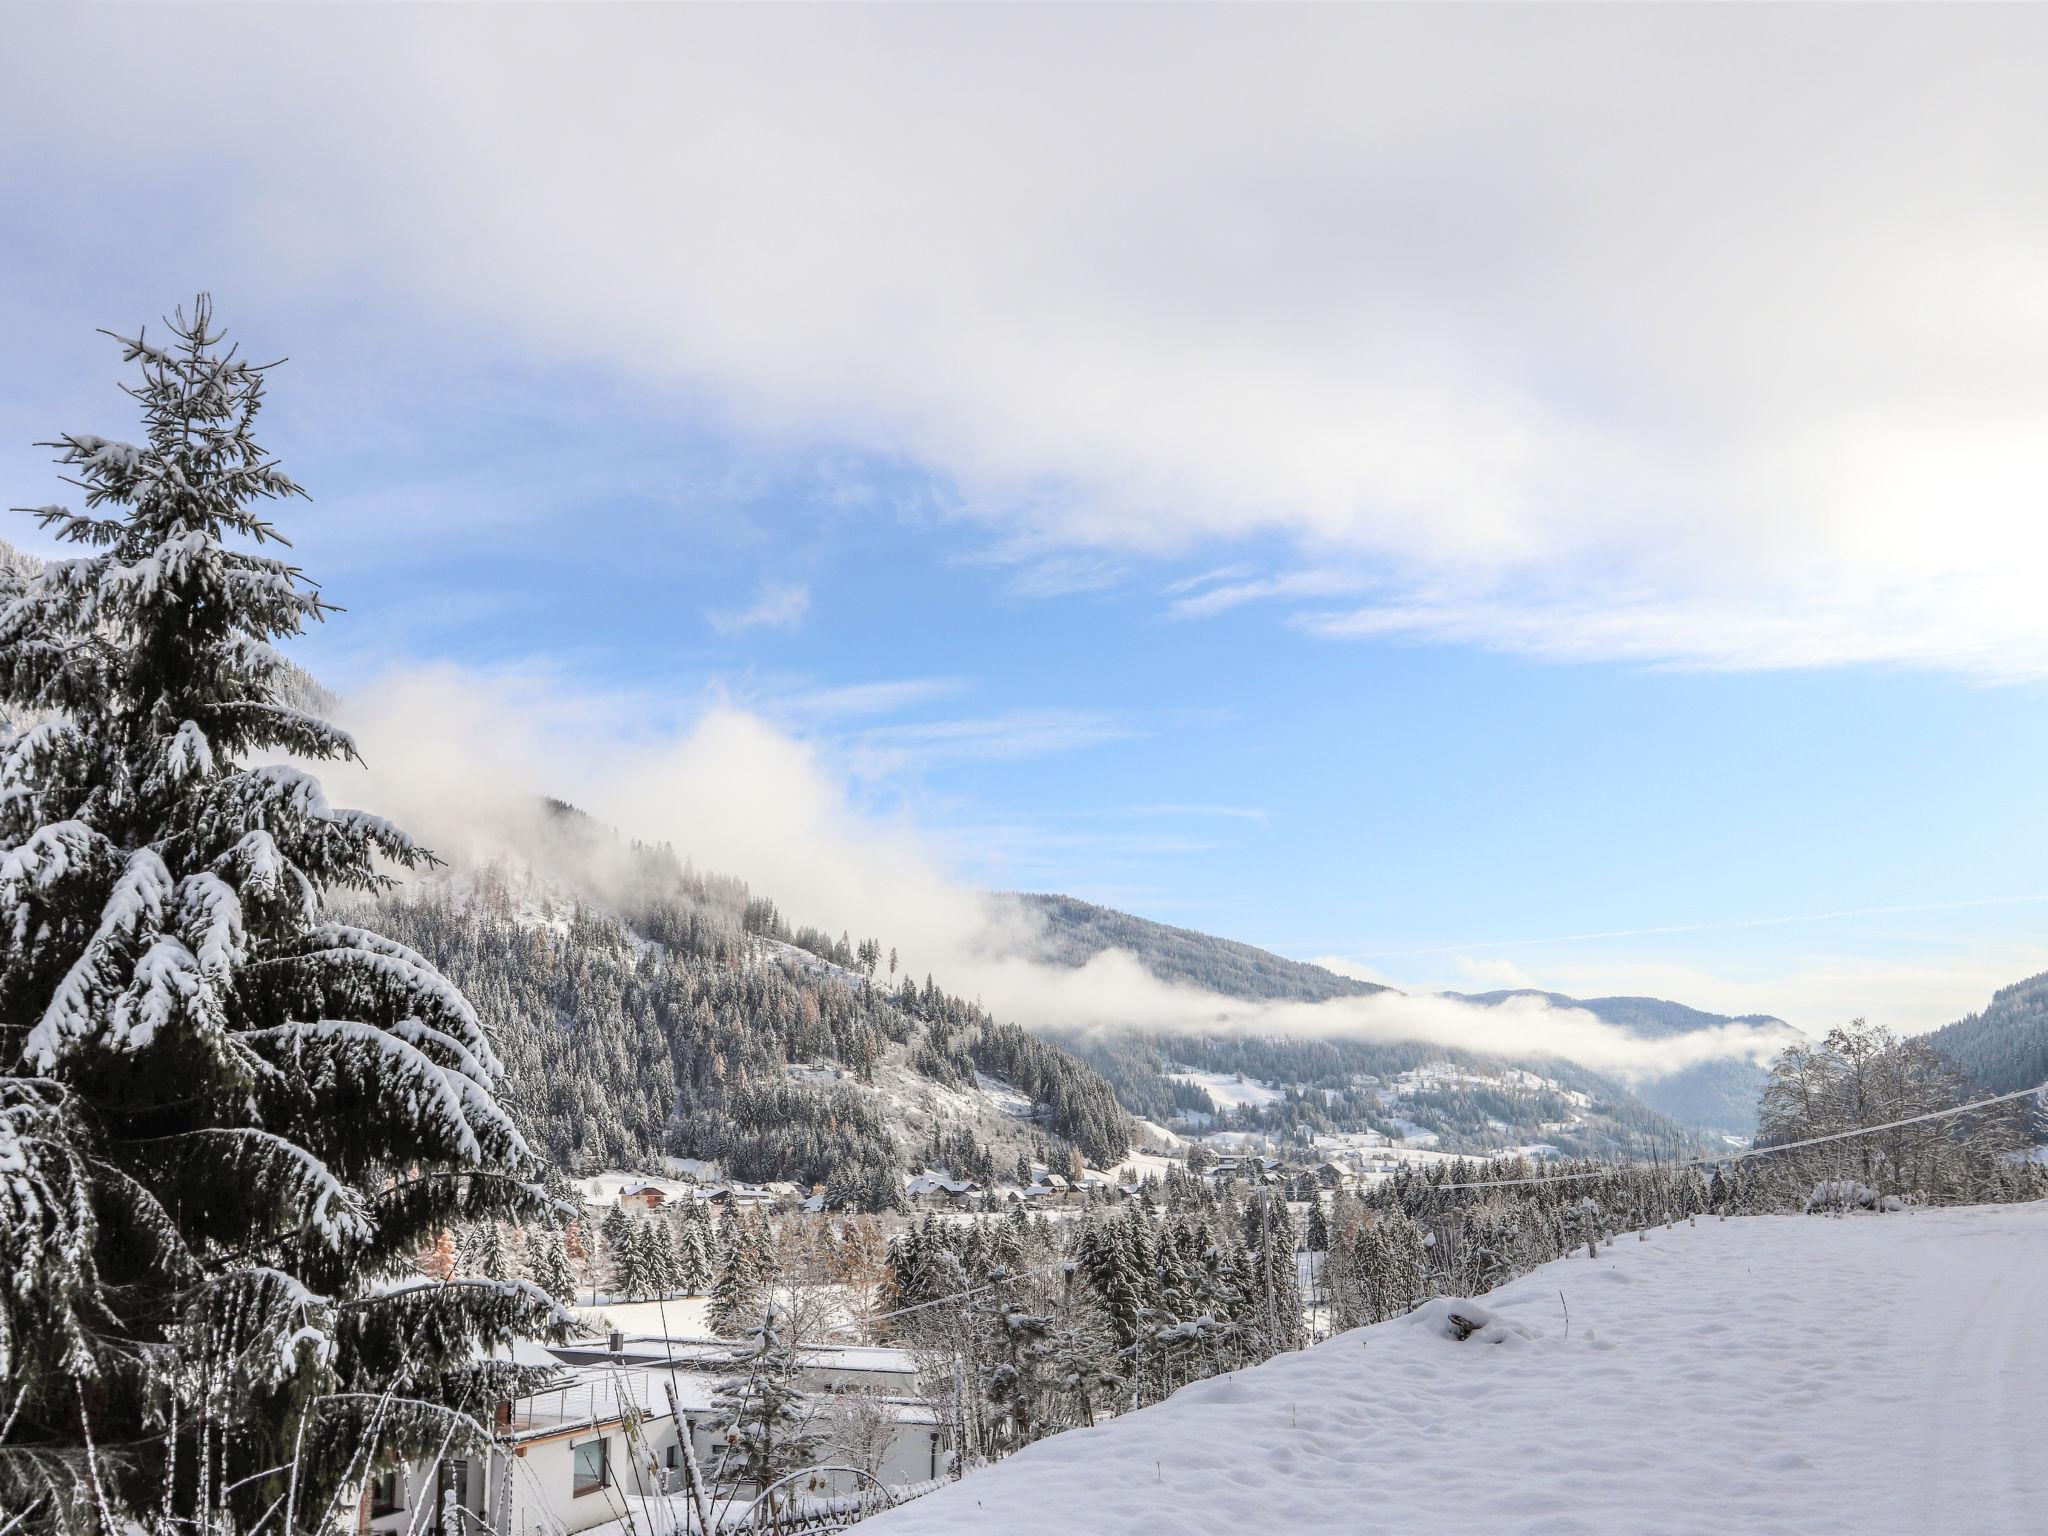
<point x="1602" y="1172"/>
<point x="1750" y="1152"/>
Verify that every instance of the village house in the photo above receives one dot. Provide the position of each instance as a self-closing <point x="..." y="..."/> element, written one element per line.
<point x="602" y="1437"/>
<point x="935" y="1187"/>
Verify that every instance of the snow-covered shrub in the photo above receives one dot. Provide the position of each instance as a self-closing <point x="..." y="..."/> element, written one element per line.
<point x="1461" y="1319"/>
<point x="1832" y="1196"/>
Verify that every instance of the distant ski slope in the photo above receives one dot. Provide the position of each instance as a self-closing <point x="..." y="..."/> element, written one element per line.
<point x="1768" y="1374"/>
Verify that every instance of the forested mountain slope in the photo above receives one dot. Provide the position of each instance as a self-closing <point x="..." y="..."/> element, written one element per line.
<point x="653" y="1010"/>
<point x="2004" y="1048"/>
<point x="1720" y="1095"/>
<point x="1075" y="931"/>
<point x="1290" y="1087"/>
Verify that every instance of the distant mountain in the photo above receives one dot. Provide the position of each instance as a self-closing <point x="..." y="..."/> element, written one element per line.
<point x="1076" y="931"/>
<point x="1721" y="1094"/>
<point x="2004" y="1048"/>
<point x="1717" y="1096"/>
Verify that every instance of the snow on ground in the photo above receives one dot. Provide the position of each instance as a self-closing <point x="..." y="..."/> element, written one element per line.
<point x="1414" y="1134"/>
<point x="604" y="1188"/>
<point x="689" y="1317"/>
<point x="1142" y="1165"/>
<point x="1155" y="1133"/>
<point x="1005" y="1098"/>
<point x="1796" y="1375"/>
<point x="682" y="1317"/>
<point x="1227" y="1091"/>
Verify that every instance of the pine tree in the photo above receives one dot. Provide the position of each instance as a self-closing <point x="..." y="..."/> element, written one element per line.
<point x="620" y="1261"/>
<point x="1021" y="1377"/>
<point x="233" y="1119"/>
<point x="547" y="1260"/>
<point x="735" y="1293"/>
<point x="764" y="1418"/>
<point x="493" y="1261"/>
<point x="693" y="1253"/>
<point x="658" y="1252"/>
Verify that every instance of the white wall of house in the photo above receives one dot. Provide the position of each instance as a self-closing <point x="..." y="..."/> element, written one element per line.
<point x="535" y="1483"/>
<point x="916" y="1453"/>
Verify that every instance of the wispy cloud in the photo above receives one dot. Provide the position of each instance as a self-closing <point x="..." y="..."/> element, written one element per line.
<point x="777" y="605"/>
<point x="1713" y="926"/>
<point x="1222" y="598"/>
<point x="1767" y="399"/>
<point x="738" y="794"/>
<point x="1005" y="736"/>
<point x="1952" y="623"/>
<point x="1205" y="578"/>
<point x="1044" y="568"/>
<point x="1224" y="812"/>
<point x="886" y="697"/>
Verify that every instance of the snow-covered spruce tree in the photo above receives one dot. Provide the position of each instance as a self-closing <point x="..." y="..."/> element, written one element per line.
<point x="735" y="1292"/>
<point x="229" y="1122"/>
<point x="766" y="1421"/>
<point x="662" y="1261"/>
<point x="625" y="1255"/>
<point x="547" y="1260"/>
<point x="693" y="1253"/>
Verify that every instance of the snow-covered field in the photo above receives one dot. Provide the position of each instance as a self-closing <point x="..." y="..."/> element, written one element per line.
<point x="1229" y="1092"/>
<point x="686" y="1317"/>
<point x="1794" y="1375"/>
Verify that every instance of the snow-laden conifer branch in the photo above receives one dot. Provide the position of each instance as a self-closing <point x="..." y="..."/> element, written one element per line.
<point x="458" y="1109"/>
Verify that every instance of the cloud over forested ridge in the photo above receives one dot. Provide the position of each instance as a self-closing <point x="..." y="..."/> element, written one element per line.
<point x="741" y="795"/>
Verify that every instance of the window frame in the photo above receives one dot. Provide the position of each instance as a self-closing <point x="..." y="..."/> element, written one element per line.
<point x="577" y="1487"/>
<point x="394" y="1479"/>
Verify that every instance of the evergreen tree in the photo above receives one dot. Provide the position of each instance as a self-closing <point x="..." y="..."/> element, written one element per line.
<point x="736" y="1292"/>
<point x="620" y="1262"/>
<point x="231" y="1121"/>
<point x="547" y="1260"/>
<point x="693" y="1252"/>
<point x="658" y="1252"/>
<point x="493" y="1261"/>
<point x="764" y="1418"/>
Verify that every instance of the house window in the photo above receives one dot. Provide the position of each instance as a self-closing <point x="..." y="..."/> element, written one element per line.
<point x="590" y="1467"/>
<point x="384" y="1493"/>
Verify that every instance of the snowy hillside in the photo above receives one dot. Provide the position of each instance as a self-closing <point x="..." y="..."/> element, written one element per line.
<point x="646" y="1010"/>
<point x="1765" y="1374"/>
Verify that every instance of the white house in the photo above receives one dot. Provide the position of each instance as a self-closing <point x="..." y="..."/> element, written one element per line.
<point x="603" y="1436"/>
<point x="885" y="1379"/>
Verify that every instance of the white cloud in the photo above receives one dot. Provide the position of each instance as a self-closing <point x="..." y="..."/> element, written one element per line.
<point x="1004" y="736"/>
<point x="1225" y="812"/>
<point x="1223" y="596"/>
<point x="886" y="697"/>
<point x="740" y="795"/>
<point x="778" y="605"/>
<point x="1705" y="335"/>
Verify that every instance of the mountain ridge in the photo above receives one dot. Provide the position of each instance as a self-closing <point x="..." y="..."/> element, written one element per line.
<point x="1716" y="1095"/>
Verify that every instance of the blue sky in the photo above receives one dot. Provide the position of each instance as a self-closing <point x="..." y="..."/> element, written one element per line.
<point x="1294" y="527"/>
